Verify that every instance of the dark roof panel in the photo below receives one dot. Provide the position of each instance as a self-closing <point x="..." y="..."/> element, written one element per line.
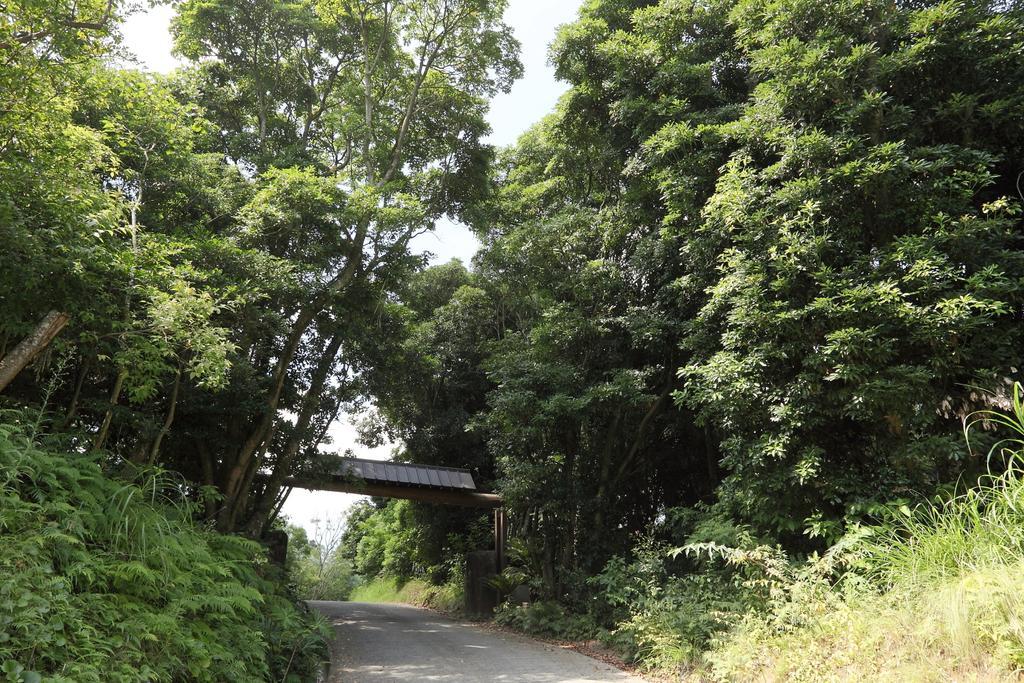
<point x="407" y="474"/>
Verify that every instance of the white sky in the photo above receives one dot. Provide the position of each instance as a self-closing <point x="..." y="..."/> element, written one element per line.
<point x="147" y="36"/>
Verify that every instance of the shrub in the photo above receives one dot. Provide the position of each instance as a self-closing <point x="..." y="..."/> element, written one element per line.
<point x="546" y="618"/>
<point x="665" y="614"/>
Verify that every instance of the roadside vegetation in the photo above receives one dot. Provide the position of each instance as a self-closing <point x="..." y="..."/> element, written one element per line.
<point x="933" y="594"/>
<point x="928" y="593"/>
<point x="379" y="542"/>
<point x="935" y="597"/>
<point x="446" y="598"/>
<point x="317" y="566"/>
<point x="111" y="576"/>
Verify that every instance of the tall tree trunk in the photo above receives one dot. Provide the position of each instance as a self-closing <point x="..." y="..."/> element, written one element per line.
<point x="307" y="314"/>
<point x="281" y="500"/>
<point x="547" y="571"/>
<point x="168" y="420"/>
<point x="205" y="462"/>
<point x="83" y="371"/>
<point x="235" y="505"/>
<point x="115" y="395"/>
<point x="282" y="468"/>
<point x="209" y="479"/>
<point x="22" y="354"/>
<point x="611" y="441"/>
<point x="258" y="436"/>
<point x="641" y="432"/>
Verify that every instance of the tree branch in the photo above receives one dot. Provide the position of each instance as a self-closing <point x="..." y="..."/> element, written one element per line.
<point x="23" y="354"/>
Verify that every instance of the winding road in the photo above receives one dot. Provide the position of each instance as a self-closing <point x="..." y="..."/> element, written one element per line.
<point x="387" y="642"/>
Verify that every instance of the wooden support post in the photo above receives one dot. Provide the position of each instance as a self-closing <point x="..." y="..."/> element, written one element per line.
<point x="499" y="539"/>
<point x="499" y="550"/>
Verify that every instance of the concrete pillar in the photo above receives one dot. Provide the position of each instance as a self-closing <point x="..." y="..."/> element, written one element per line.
<point x="277" y="546"/>
<point x="481" y="596"/>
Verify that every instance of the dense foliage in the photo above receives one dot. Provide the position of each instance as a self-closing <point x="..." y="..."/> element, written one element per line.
<point x="816" y="259"/>
<point x="110" y="579"/>
<point x="740" y="288"/>
<point x="221" y="240"/>
<point x="932" y="594"/>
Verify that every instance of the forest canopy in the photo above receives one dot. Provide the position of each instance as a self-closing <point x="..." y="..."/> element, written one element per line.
<point x="223" y="238"/>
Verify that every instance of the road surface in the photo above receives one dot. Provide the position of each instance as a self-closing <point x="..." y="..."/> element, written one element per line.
<point x="385" y="642"/>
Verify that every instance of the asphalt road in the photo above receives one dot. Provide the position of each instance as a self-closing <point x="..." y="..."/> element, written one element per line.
<point x="385" y="642"/>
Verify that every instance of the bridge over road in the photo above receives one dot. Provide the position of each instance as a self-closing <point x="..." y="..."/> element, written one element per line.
<point x="428" y="484"/>
<point x="375" y="643"/>
<point x="425" y="483"/>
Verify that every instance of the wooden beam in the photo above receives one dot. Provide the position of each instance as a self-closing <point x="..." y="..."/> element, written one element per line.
<point x="425" y="495"/>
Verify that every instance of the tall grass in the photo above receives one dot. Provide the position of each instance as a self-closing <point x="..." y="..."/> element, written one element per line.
<point x="977" y="530"/>
<point x="981" y="528"/>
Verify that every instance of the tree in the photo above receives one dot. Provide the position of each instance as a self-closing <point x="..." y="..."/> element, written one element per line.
<point x="223" y="237"/>
<point x="52" y="209"/>
<point x="867" y="256"/>
<point x="755" y="264"/>
<point x="321" y="572"/>
<point x="719" y="193"/>
<point x="381" y="106"/>
<point x="380" y="540"/>
<point x="427" y="383"/>
<point x="589" y="443"/>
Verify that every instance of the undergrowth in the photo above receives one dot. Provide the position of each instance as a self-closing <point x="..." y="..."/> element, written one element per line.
<point x="932" y="593"/>
<point x="936" y="594"/>
<point x="935" y="597"/>
<point x="546" y="618"/>
<point x="111" y="580"/>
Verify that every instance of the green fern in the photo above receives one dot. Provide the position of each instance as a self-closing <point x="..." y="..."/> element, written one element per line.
<point x="111" y="581"/>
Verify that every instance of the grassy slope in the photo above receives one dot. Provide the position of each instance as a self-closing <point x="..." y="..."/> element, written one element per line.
<point x="446" y="598"/>
<point x="936" y="597"/>
<point x="110" y="580"/>
<point x="946" y="637"/>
